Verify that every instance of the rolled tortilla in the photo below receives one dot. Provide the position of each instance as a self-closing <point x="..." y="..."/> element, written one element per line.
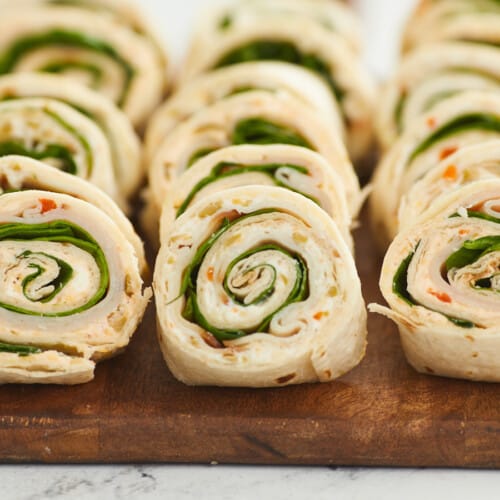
<point x="19" y="173"/>
<point x="256" y="117"/>
<point x="256" y="287"/>
<point x="332" y="16"/>
<point x="294" y="168"/>
<point x="429" y="75"/>
<point x="304" y="43"/>
<point x="215" y="86"/>
<point x="49" y="130"/>
<point x="123" y="141"/>
<point x="88" y="47"/>
<point x="72" y="292"/>
<point x="123" y="10"/>
<point x="441" y="280"/>
<point x="465" y="20"/>
<point x="460" y="121"/>
<point x="468" y="166"/>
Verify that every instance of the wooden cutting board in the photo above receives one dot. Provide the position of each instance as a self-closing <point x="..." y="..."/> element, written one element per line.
<point x="382" y="413"/>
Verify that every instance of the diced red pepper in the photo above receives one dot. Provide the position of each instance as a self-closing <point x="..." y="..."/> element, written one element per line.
<point x="47" y="205"/>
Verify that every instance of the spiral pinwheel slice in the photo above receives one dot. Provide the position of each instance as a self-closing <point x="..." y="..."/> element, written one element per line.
<point x="256" y="287"/>
<point x="123" y="141"/>
<point x="49" y="130"/>
<point x="215" y="86"/>
<point x="471" y="165"/>
<point x="460" y="121"/>
<point x="441" y="279"/>
<point x="477" y="21"/>
<point x="429" y="75"/>
<point x="304" y="43"/>
<point x="333" y="16"/>
<point x="122" y="10"/>
<point x="255" y="117"/>
<point x="72" y="293"/>
<point x="290" y="167"/>
<point x="18" y="173"/>
<point x="88" y="47"/>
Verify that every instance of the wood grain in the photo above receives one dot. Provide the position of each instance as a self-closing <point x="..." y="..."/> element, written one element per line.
<point x="382" y="413"/>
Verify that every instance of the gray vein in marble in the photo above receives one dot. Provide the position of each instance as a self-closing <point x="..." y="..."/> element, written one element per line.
<point x="241" y="483"/>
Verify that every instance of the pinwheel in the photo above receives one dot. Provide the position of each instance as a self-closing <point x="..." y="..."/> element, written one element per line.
<point x="89" y="47"/>
<point x="123" y="10"/>
<point x="256" y="287"/>
<point x="215" y="86"/>
<point x="466" y="20"/>
<point x="256" y="117"/>
<point x="471" y="118"/>
<point x="332" y="16"/>
<point x="441" y="279"/>
<point x="430" y="75"/>
<point x="124" y="143"/>
<point x="72" y="293"/>
<point x="49" y="130"/>
<point x="19" y="173"/>
<point x="468" y="165"/>
<point x="290" y="167"/>
<point x="304" y="43"/>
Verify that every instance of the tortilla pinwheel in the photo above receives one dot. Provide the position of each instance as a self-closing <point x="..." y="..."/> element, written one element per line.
<point x="72" y="294"/>
<point x="441" y="279"/>
<point x="256" y="287"/>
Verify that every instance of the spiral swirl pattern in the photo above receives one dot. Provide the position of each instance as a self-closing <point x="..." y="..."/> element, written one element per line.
<point x="441" y="280"/>
<point x="71" y="294"/>
<point x="250" y="288"/>
<point x="88" y="47"/>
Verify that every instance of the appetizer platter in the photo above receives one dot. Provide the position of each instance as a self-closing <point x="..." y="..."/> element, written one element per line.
<point x="201" y="280"/>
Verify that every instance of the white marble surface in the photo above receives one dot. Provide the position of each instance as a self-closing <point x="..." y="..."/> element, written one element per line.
<point x="174" y="18"/>
<point x="243" y="483"/>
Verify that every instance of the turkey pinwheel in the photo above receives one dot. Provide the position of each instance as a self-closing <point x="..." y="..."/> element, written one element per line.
<point x="290" y="167"/>
<point x="468" y="165"/>
<point x="91" y="48"/>
<point x="258" y="118"/>
<point x="123" y="141"/>
<point x="330" y="15"/>
<point x="476" y="21"/>
<point x="72" y="294"/>
<point x="471" y="118"/>
<point x="441" y="279"/>
<point x="429" y="75"/>
<point x="304" y="43"/>
<point x="215" y="86"/>
<point x="256" y="287"/>
<point x="122" y="10"/>
<point x="19" y="173"/>
<point x="49" y="130"/>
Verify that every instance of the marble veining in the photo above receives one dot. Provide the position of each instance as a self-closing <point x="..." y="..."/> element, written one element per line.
<point x="241" y="483"/>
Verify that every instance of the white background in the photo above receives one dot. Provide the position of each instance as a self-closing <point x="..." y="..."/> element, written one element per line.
<point x="174" y="20"/>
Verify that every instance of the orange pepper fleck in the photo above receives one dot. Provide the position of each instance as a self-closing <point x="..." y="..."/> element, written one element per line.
<point x="47" y="205"/>
<point x="443" y="297"/>
<point x="210" y="274"/>
<point x="447" y="152"/>
<point x="431" y="122"/>
<point x="463" y="232"/>
<point x="318" y="316"/>
<point x="451" y="173"/>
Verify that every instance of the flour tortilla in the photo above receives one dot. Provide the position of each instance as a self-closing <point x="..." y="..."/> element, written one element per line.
<point x="318" y="339"/>
<point x="97" y="332"/>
